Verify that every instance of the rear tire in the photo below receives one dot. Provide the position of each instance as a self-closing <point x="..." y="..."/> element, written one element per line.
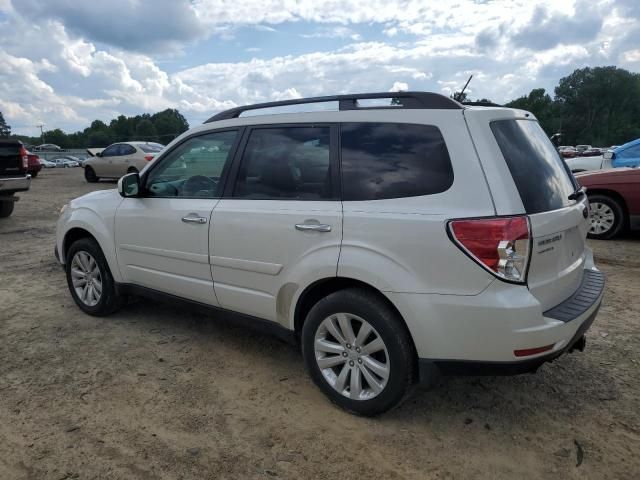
<point x="85" y="264"/>
<point x="34" y="174"/>
<point x="355" y="375"/>
<point x="90" y="175"/>
<point x="6" y="208"/>
<point x="607" y="217"/>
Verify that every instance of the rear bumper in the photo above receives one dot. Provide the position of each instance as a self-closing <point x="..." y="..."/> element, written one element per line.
<point x="563" y="326"/>
<point x="14" y="184"/>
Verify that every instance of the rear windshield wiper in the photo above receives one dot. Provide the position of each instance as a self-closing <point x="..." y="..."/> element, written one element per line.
<point x="578" y="193"/>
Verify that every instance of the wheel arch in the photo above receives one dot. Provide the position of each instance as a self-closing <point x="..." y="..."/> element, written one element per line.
<point x="73" y="234"/>
<point x="323" y="287"/>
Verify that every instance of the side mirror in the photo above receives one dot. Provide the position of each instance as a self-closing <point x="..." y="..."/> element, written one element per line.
<point x="129" y="185"/>
<point x="609" y="155"/>
<point x="99" y="154"/>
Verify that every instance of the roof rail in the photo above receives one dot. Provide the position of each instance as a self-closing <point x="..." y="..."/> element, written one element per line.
<point x="481" y="104"/>
<point x="408" y="100"/>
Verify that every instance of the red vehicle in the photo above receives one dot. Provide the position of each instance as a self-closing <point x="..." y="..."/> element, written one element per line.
<point x="34" y="164"/>
<point x="614" y="200"/>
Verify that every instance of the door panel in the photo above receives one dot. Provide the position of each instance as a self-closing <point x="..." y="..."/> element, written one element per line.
<point x="281" y="228"/>
<point x="157" y="249"/>
<point x="162" y="239"/>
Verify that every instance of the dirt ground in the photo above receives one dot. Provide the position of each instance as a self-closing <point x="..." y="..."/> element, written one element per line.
<point x="158" y="392"/>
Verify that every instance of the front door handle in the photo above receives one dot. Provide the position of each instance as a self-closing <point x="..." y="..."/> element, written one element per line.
<point x="194" y="219"/>
<point x="313" y="227"/>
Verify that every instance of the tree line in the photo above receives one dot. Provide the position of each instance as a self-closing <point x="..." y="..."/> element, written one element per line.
<point x="161" y="127"/>
<point x="598" y="106"/>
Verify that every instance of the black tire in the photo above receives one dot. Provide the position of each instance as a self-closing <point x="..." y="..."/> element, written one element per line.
<point x="132" y="170"/>
<point x="34" y="174"/>
<point x="109" y="301"/>
<point x="392" y="331"/>
<point x="6" y="208"/>
<point x="619" y="219"/>
<point x="90" y="175"/>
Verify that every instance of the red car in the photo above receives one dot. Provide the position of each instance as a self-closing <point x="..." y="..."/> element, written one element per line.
<point x="614" y="200"/>
<point x="34" y="164"/>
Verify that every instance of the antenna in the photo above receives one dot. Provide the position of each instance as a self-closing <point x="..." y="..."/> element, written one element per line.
<point x="41" y="127"/>
<point x="460" y="95"/>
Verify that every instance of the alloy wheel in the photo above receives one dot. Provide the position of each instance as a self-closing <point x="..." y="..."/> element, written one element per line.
<point x="86" y="278"/>
<point x="602" y="218"/>
<point x="352" y="356"/>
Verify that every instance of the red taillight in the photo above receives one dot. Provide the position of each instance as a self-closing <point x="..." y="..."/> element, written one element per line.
<point x="148" y="158"/>
<point x="500" y="245"/>
<point x="25" y="158"/>
<point x="532" y="351"/>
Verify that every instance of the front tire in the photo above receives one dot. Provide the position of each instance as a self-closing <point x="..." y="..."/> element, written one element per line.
<point x="89" y="279"/>
<point x="6" y="208"/>
<point x="358" y="351"/>
<point x="607" y="217"/>
<point x="34" y="174"/>
<point x="90" y="175"/>
<point x="132" y="170"/>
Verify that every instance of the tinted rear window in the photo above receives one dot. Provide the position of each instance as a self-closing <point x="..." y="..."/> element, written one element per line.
<point x="151" y="148"/>
<point x="541" y="176"/>
<point x="393" y="160"/>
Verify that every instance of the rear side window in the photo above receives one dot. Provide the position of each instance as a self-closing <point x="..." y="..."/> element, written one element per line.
<point x="393" y="160"/>
<point x="286" y="163"/>
<point x="151" y="147"/>
<point x="541" y="176"/>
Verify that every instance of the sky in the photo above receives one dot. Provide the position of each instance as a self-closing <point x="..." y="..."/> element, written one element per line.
<point x="65" y="63"/>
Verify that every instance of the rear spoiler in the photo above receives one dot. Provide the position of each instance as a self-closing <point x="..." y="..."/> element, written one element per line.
<point x="94" y="151"/>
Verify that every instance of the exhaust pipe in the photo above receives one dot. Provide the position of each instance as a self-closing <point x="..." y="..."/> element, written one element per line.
<point x="579" y="345"/>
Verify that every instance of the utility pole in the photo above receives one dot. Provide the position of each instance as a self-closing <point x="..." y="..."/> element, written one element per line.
<point x="41" y="127"/>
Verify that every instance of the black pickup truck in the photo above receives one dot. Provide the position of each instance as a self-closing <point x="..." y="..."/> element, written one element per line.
<point x="14" y="164"/>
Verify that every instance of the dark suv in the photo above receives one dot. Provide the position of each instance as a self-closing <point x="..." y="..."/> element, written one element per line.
<point x="14" y="164"/>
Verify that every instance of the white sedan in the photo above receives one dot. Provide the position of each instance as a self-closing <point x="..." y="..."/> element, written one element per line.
<point x="584" y="164"/>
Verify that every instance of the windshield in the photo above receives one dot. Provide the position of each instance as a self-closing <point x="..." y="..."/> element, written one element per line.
<point x="539" y="172"/>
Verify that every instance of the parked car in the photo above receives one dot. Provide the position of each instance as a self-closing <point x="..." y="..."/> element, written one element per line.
<point x="614" y="200"/>
<point x="394" y="245"/>
<point x="584" y="164"/>
<point x="627" y="155"/>
<point x="66" y="162"/>
<point x="47" y="163"/>
<point x="47" y="147"/>
<point x="591" y="152"/>
<point x="567" y="151"/>
<point x="582" y="148"/>
<point x="14" y="176"/>
<point x="34" y="164"/>
<point x="119" y="159"/>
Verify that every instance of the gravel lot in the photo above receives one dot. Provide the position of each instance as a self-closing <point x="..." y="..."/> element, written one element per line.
<point x="158" y="392"/>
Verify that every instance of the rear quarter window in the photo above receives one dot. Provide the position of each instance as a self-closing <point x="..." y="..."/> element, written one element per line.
<point x="393" y="160"/>
<point x="541" y="176"/>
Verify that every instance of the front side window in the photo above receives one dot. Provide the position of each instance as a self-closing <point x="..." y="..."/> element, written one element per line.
<point x="111" y="151"/>
<point x="194" y="168"/>
<point x="286" y="163"/>
<point x="393" y="160"/>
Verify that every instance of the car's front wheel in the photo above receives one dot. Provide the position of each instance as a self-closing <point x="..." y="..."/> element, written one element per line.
<point x="89" y="278"/>
<point x="358" y="351"/>
<point x="6" y="207"/>
<point x="606" y="217"/>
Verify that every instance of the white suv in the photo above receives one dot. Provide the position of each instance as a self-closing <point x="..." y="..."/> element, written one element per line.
<point x="395" y="239"/>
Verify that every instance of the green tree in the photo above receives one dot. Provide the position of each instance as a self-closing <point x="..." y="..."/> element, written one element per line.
<point x="57" y="137"/>
<point x="98" y="139"/>
<point x="543" y="107"/>
<point x="169" y="124"/>
<point x="5" y="129"/>
<point x="600" y="106"/>
<point x="145" y="130"/>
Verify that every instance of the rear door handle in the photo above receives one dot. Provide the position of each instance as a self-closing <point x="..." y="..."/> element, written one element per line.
<point x="194" y="219"/>
<point x="313" y="227"/>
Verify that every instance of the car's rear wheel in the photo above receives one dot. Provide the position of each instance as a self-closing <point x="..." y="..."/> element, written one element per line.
<point x="90" y="175"/>
<point x="6" y="207"/>
<point x="89" y="278"/>
<point x="606" y="217"/>
<point x="358" y="351"/>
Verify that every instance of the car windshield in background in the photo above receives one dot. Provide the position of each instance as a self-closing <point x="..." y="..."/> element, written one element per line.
<point x="151" y="147"/>
<point x="541" y="176"/>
